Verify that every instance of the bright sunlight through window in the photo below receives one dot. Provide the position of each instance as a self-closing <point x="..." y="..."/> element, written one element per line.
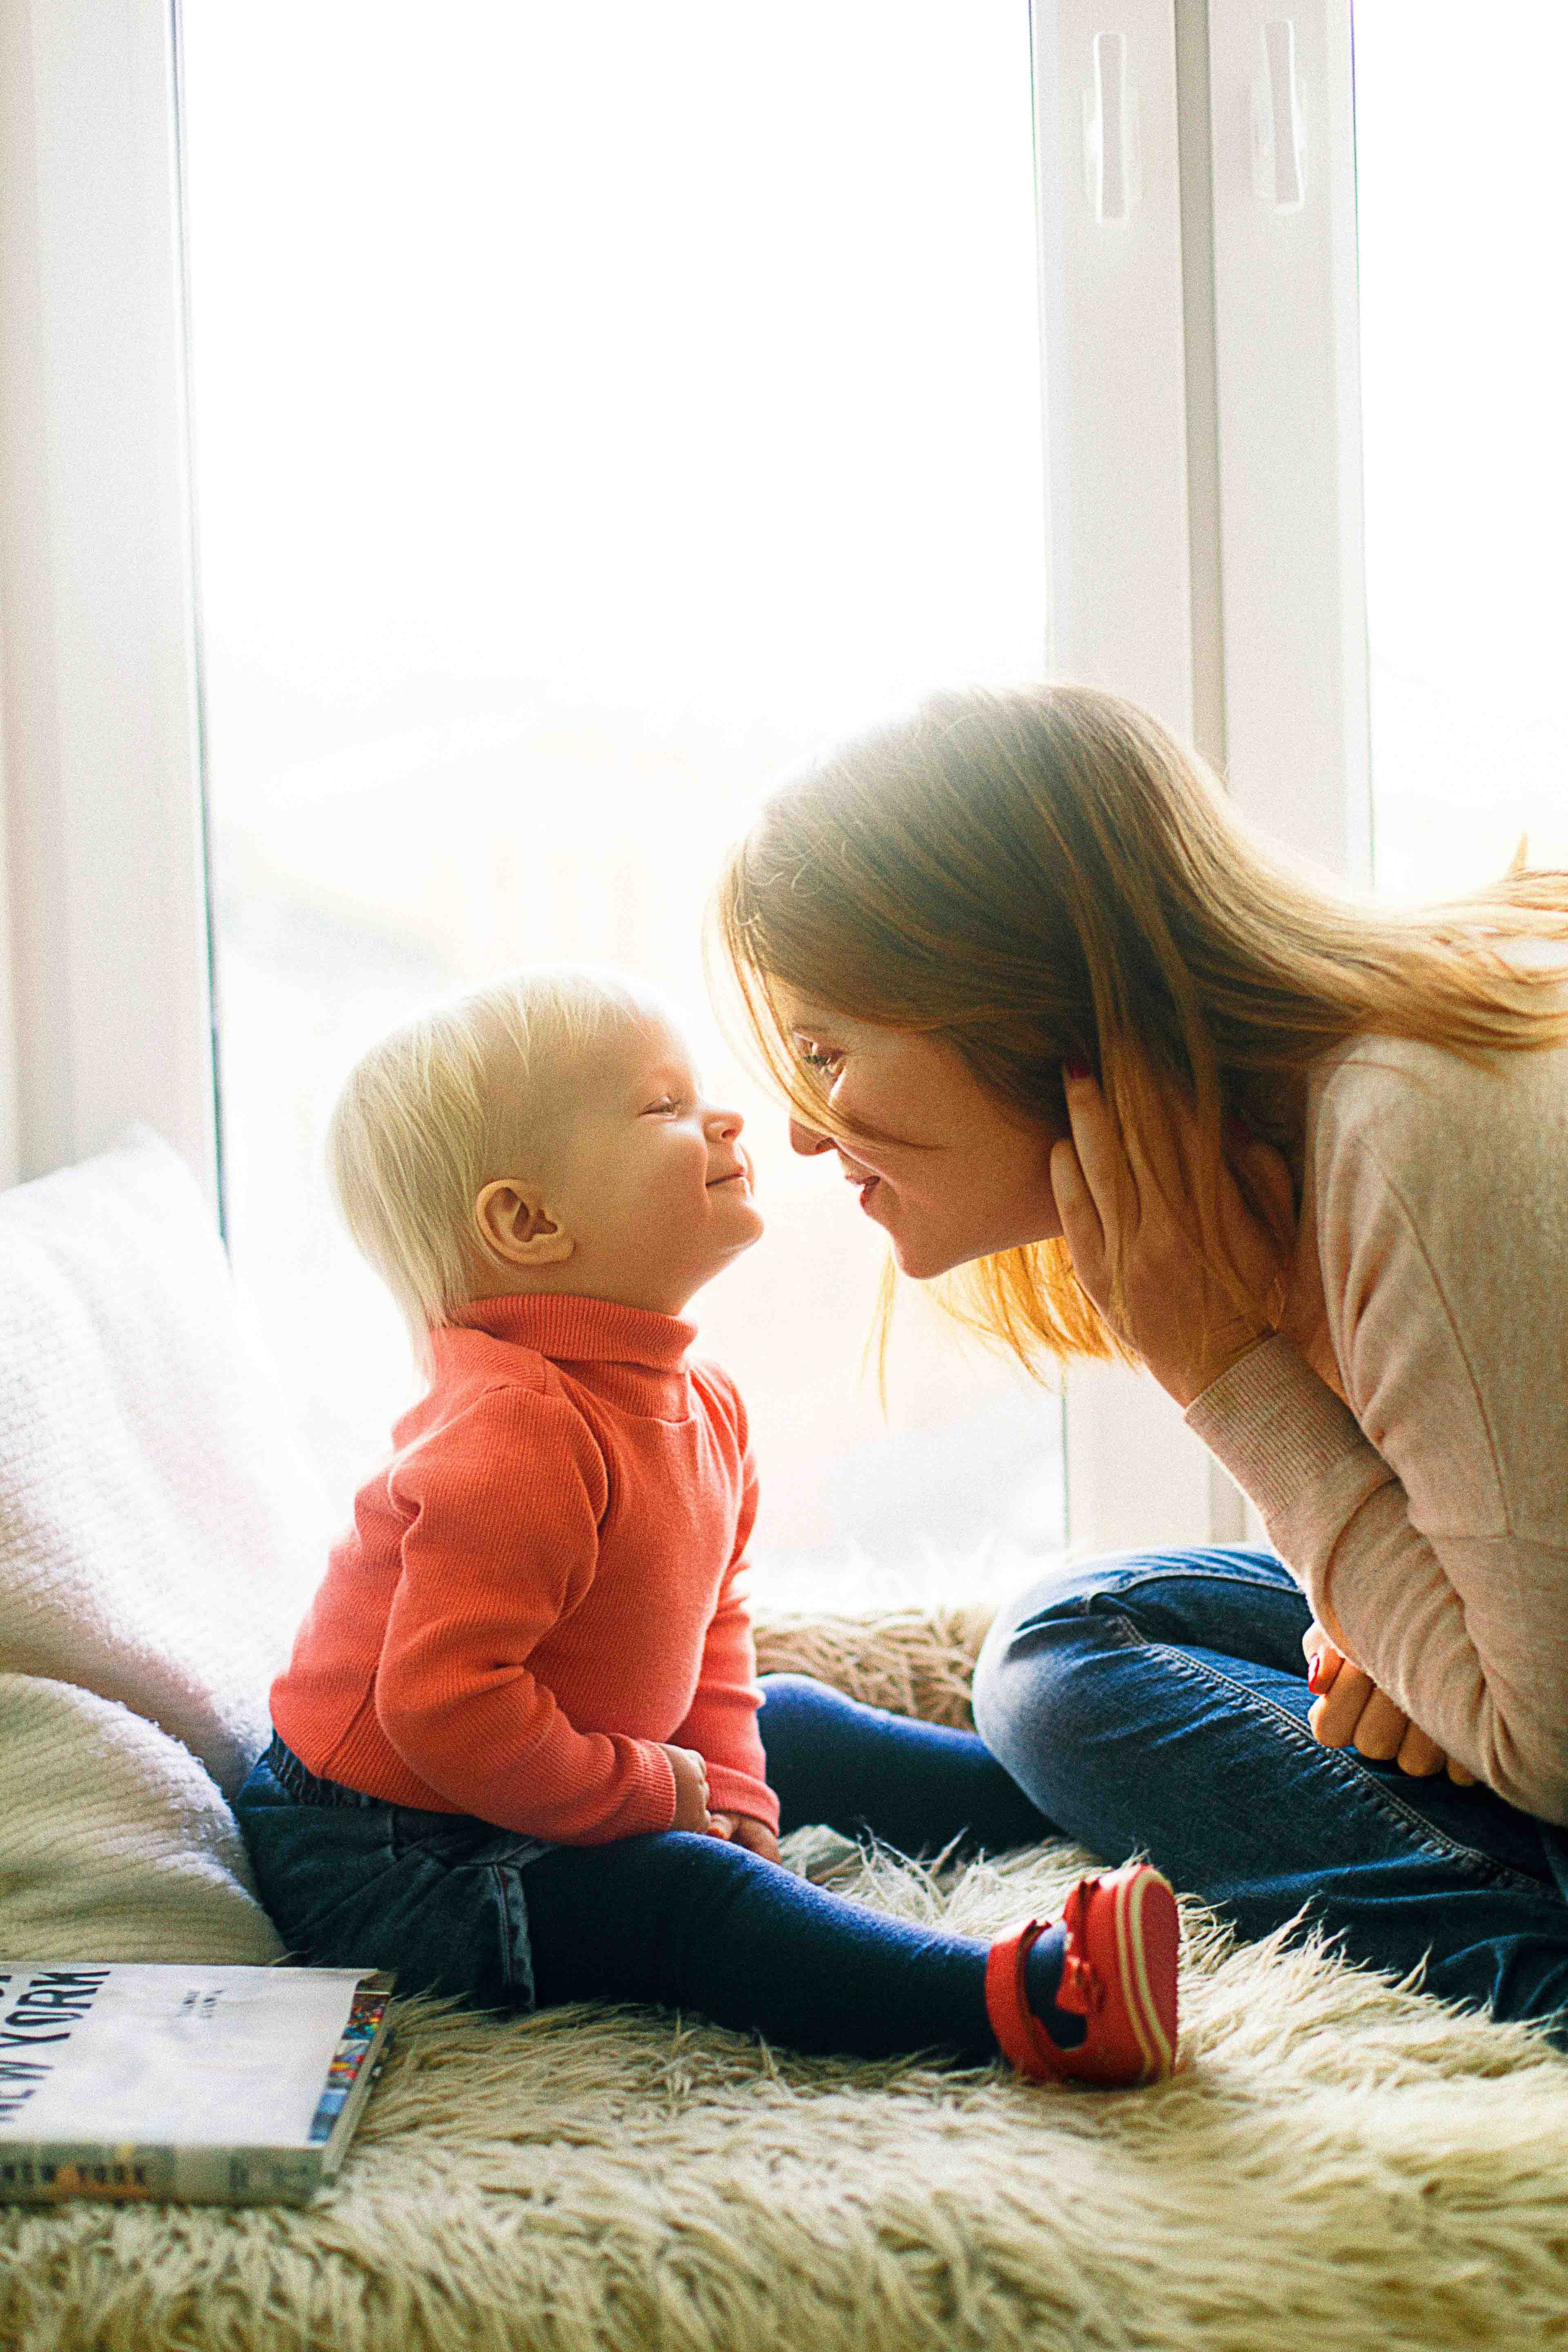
<point x="596" y="409"/>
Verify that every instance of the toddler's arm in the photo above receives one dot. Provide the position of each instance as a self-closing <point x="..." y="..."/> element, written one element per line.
<point x="501" y="1541"/>
<point x="741" y="1830"/>
<point x="721" y="1722"/>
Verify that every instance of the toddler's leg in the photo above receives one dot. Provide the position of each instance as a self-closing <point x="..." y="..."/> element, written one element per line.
<point x="696" y="1923"/>
<point x="690" y="1922"/>
<point x="917" y="1786"/>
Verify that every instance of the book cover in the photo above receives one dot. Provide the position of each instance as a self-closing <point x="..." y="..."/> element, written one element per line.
<point x="202" y="2084"/>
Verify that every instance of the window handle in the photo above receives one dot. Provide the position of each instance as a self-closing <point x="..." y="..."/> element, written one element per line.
<point x="1279" y="132"/>
<point x="1110" y="132"/>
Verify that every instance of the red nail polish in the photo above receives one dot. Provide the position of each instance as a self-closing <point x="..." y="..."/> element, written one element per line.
<point x="1076" y="1069"/>
<point x="1315" y="1673"/>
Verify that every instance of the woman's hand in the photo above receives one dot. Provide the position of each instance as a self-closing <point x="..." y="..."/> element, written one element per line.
<point x="1129" y="1218"/>
<point x="1349" y="1711"/>
<point x="742" y="1828"/>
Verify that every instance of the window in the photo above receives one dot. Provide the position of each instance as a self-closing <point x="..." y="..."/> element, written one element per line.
<point x="594" y="410"/>
<point x="802" y="314"/>
<point x="1458" y="196"/>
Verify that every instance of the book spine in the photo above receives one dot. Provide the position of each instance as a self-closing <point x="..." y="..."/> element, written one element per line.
<point x="47" y="2173"/>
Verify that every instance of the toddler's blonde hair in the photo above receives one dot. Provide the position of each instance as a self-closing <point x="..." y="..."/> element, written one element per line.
<point x="474" y="1089"/>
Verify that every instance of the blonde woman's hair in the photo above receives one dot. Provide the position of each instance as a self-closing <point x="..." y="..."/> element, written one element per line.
<point x="474" y="1089"/>
<point x="1044" y="874"/>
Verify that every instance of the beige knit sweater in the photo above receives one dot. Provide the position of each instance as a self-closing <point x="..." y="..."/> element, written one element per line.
<point x="1430" y="1506"/>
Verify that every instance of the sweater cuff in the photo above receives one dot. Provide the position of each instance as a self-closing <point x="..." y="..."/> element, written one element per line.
<point x="729" y="1792"/>
<point x="1290" y="1443"/>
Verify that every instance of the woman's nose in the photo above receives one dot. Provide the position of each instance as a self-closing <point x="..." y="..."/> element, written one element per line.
<point x="806" y="1140"/>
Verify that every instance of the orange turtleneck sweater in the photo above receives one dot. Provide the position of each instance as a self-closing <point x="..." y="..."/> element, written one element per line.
<point x="542" y="1584"/>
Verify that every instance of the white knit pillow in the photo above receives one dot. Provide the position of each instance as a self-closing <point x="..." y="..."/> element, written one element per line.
<point x="160" y="1533"/>
<point x="116" y="1844"/>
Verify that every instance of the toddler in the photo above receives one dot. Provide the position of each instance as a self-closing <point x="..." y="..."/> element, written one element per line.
<point x="521" y="1753"/>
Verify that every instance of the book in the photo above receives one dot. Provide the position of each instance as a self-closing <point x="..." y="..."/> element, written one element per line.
<point x="200" y="2085"/>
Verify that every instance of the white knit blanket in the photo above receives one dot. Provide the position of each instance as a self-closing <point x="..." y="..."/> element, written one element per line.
<point x="114" y="1841"/>
<point x="159" y="1534"/>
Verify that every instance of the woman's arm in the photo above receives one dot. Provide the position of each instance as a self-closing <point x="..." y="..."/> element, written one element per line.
<point x="1460" y="1627"/>
<point x="1446" y="1596"/>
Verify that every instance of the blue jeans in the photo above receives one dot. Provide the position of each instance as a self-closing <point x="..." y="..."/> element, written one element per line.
<point x="456" y="1905"/>
<point x="1158" y="1704"/>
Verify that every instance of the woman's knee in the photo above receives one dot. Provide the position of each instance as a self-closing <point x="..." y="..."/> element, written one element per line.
<point x="1080" y="1623"/>
<point x="1023" y="1673"/>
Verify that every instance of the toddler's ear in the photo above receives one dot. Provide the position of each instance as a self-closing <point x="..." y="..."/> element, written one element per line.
<point x="514" y="1226"/>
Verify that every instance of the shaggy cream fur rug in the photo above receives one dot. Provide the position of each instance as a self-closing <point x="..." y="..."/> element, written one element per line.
<point x="1342" y="2165"/>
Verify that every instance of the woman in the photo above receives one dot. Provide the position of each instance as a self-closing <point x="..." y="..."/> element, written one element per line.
<point x="1069" y="1030"/>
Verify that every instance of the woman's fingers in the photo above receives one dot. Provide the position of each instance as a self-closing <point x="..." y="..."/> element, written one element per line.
<point x="1324" y="1659"/>
<point x="1334" y="1718"/>
<point x="1351" y="1710"/>
<point x="1380" y="1733"/>
<point x="1097" y="1143"/>
<point x="1418" y="1755"/>
<point x="1081" y="1228"/>
<point x="1354" y="1712"/>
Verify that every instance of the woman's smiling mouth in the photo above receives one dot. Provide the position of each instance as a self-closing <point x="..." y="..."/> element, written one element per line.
<point x="864" y="1181"/>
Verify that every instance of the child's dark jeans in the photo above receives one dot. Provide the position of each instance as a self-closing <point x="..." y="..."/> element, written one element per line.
<point x="456" y="1905"/>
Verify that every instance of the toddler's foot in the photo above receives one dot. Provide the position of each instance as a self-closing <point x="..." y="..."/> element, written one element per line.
<point x="1114" y="1965"/>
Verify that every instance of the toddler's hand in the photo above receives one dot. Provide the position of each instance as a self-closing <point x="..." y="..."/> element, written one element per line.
<point x="1351" y="1711"/>
<point x="690" y="1789"/>
<point x="743" y="1829"/>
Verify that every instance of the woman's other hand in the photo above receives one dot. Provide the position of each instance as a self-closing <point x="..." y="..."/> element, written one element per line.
<point x="742" y="1828"/>
<point x="1351" y="1711"/>
<point x="1129" y="1218"/>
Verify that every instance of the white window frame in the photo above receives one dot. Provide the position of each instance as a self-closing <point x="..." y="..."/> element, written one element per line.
<point x="1201" y="406"/>
<point x="1201" y="441"/>
<point x="106" y="991"/>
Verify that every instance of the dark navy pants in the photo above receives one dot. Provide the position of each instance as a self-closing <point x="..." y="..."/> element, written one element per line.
<point x="456" y="1905"/>
<point x="1159" y="1703"/>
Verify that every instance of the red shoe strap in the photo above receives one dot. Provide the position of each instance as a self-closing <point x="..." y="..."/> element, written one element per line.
<point x="1024" y="2040"/>
<point x="1081" y="1991"/>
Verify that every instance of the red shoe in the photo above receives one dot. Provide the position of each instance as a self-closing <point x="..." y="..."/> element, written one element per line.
<point x="1119" y="1976"/>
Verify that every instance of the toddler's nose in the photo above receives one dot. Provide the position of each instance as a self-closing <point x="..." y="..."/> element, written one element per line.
<point x="725" y="1124"/>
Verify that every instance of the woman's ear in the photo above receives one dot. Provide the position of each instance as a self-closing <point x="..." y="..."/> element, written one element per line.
<point x="514" y="1226"/>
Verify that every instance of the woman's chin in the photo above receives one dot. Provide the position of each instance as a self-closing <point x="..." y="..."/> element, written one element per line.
<point x="922" y="1264"/>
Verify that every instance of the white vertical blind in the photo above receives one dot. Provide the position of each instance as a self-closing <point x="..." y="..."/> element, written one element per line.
<point x="1199" y="312"/>
<point x="108" y="946"/>
<point x="1288" y="415"/>
<point x="1107" y="144"/>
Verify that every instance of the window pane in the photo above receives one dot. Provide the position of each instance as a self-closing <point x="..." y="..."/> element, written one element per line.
<point x="595" y="409"/>
<point x="1460" y="207"/>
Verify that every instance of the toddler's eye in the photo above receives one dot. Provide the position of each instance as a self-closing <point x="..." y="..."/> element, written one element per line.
<point x="662" y="1109"/>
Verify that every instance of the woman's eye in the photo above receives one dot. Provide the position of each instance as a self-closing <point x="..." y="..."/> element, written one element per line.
<point x="820" y="1057"/>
